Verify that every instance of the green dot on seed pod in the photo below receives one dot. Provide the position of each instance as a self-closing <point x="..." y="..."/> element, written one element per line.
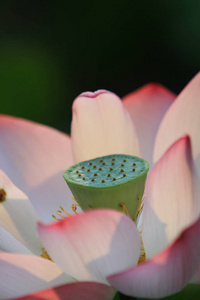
<point x="124" y="186"/>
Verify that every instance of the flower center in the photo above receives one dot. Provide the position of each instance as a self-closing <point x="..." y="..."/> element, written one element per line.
<point x="114" y="181"/>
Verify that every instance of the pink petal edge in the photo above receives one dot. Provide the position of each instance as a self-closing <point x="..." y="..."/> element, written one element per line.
<point x="101" y="126"/>
<point x="147" y="106"/>
<point x="165" y="274"/>
<point x="75" y="291"/>
<point x="171" y="201"/>
<point x="34" y="157"/>
<point x="92" y="245"/>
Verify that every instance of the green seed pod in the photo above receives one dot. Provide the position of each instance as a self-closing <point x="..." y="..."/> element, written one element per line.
<point x="107" y="184"/>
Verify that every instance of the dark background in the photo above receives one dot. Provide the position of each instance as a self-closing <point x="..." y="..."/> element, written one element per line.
<point x="50" y="51"/>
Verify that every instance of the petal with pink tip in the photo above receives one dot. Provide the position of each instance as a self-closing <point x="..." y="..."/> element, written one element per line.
<point x="101" y="126"/>
<point x="182" y="117"/>
<point x="170" y="200"/>
<point x="17" y="215"/>
<point x="147" y="106"/>
<point x="9" y="244"/>
<point x="25" y="274"/>
<point x="92" y="245"/>
<point x="166" y="273"/>
<point x="34" y="157"/>
<point x="75" y="291"/>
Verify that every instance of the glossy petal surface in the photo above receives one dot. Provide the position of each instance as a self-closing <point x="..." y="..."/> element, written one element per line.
<point x="183" y="117"/>
<point x="92" y="245"/>
<point x="17" y="215"/>
<point x="147" y="107"/>
<point x="170" y="200"/>
<point x="101" y="126"/>
<point x="34" y="157"/>
<point x="166" y="273"/>
<point x="24" y="274"/>
<point x="74" y="291"/>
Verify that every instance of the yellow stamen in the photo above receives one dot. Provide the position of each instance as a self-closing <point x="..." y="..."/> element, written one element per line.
<point x="54" y="217"/>
<point x="125" y="210"/>
<point x="64" y="211"/>
<point x="138" y="210"/>
<point x="59" y="214"/>
<point x="45" y="254"/>
<point x="142" y="253"/>
<point x="74" y="208"/>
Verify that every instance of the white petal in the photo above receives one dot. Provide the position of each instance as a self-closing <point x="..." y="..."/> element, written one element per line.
<point x="101" y="126"/>
<point x="171" y="203"/>
<point x="183" y="117"/>
<point x="25" y="274"/>
<point x="165" y="274"/>
<point x="17" y="215"/>
<point x="9" y="244"/>
<point x="34" y="157"/>
<point x="92" y="245"/>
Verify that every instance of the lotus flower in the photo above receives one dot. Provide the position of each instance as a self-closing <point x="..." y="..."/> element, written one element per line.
<point x="101" y="248"/>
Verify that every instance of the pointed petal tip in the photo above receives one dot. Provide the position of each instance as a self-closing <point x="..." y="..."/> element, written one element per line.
<point x="151" y="88"/>
<point x="164" y="274"/>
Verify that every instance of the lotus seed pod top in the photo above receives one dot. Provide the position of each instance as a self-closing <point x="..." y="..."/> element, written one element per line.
<point x="114" y="181"/>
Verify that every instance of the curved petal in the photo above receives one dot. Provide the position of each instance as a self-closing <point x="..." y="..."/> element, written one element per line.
<point x="170" y="200"/>
<point x="182" y="117"/>
<point x="34" y="157"/>
<point x="196" y="278"/>
<point x="24" y="274"/>
<point x="147" y="106"/>
<point x="166" y="273"/>
<point x="75" y="291"/>
<point x="92" y="245"/>
<point x="101" y="126"/>
<point x="17" y="215"/>
<point x="9" y="244"/>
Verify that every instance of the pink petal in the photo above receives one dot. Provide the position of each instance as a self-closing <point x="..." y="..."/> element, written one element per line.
<point x="17" y="215"/>
<point x="34" y="157"/>
<point x="9" y="244"/>
<point x="147" y="106"/>
<point x="166" y="273"/>
<point x="182" y="117"/>
<point x="101" y="126"/>
<point x="170" y="201"/>
<point x="24" y="274"/>
<point x="92" y="245"/>
<point x="74" y="291"/>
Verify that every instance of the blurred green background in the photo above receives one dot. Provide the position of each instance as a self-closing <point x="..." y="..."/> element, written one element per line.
<point x="50" y="51"/>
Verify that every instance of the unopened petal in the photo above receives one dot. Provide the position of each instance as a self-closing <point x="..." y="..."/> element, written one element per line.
<point x="147" y="106"/>
<point x="34" y="157"/>
<point x="101" y="126"/>
<point x="171" y="203"/>
<point x="92" y="245"/>
<point x="165" y="274"/>
<point x="24" y="274"/>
